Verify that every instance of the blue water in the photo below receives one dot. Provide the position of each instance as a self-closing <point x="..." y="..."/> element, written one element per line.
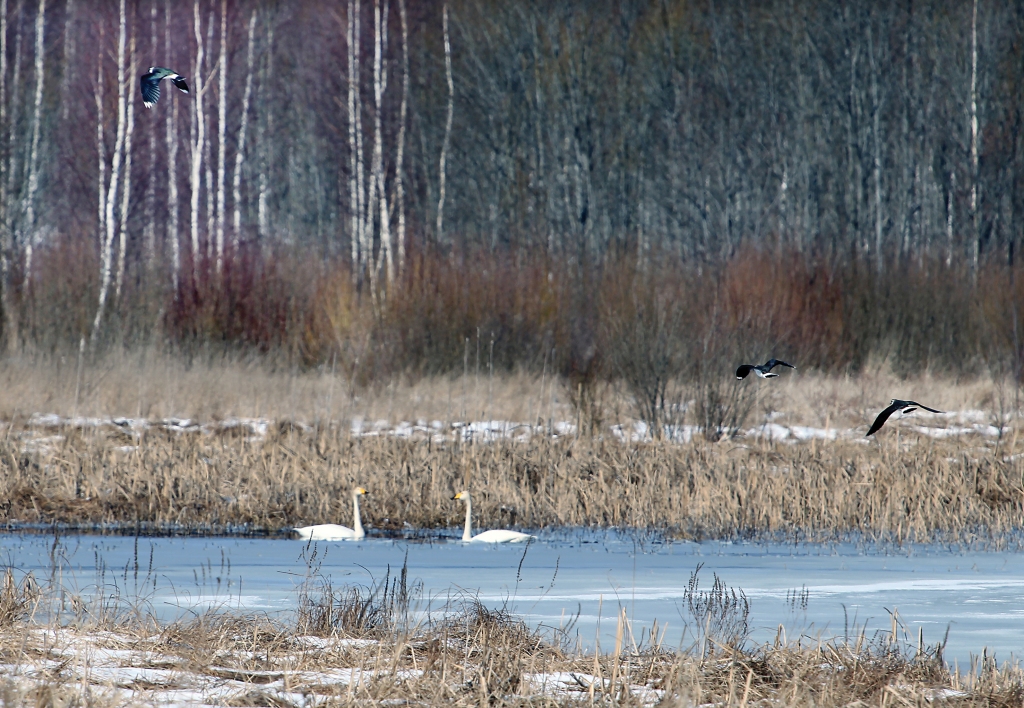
<point x="574" y="575"/>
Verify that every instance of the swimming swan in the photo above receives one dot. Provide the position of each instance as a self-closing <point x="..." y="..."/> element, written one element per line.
<point x="334" y="532"/>
<point x="492" y="536"/>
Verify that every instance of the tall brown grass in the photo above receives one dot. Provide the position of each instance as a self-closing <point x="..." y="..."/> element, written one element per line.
<point x="922" y="490"/>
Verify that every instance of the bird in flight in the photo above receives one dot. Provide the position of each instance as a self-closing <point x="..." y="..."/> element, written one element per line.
<point x="896" y="405"/>
<point x="150" y="83"/>
<point x="764" y="370"/>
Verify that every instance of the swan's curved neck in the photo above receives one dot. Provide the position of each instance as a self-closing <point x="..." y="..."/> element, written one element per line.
<point x="358" y="525"/>
<point x="467" y="534"/>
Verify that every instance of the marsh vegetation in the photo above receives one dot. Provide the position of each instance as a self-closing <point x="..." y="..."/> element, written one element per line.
<point x="372" y="644"/>
<point x="256" y="464"/>
<point x="797" y="467"/>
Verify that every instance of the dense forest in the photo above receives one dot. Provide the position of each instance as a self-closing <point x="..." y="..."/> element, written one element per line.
<point x="394" y="186"/>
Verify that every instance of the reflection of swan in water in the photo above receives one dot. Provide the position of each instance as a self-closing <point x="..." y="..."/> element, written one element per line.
<point x="492" y="536"/>
<point x="335" y="532"/>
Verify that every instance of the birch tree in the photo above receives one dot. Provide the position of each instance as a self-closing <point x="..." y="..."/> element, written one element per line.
<point x="354" y="141"/>
<point x="403" y="116"/>
<point x="378" y="192"/>
<point x="442" y="167"/>
<point x="101" y="143"/>
<point x="221" y="131"/>
<point x="12" y="144"/>
<point x="7" y="243"/>
<point x="126" y="189"/>
<point x="240" y="151"/>
<point x="266" y="128"/>
<point x="950" y="218"/>
<point x="4" y="166"/>
<point x="28" y="227"/>
<point x="373" y="246"/>
<point x="111" y="192"/>
<point x="211" y="195"/>
<point x="173" y="202"/>
<point x="975" y="228"/>
<point x="198" y="142"/>
<point x="69" y="55"/>
<point x="149" y="230"/>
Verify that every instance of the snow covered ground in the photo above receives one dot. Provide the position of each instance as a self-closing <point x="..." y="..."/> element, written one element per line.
<point x="42" y="432"/>
<point x="126" y="669"/>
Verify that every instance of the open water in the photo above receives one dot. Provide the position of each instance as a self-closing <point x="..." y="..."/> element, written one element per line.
<point x="580" y="580"/>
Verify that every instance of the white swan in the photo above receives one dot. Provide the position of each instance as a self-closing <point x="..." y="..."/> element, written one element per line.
<point x="335" y="532"/>
<point x="492" y="536"/>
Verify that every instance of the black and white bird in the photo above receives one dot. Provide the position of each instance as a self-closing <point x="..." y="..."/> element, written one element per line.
<point x="150" y="83"/>
<point x="764" y="370"/>
<point x="896" y="405"/>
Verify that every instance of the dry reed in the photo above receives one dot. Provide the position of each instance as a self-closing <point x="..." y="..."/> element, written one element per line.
<point x="295" y="465"/>
<point x="925" y="489"/>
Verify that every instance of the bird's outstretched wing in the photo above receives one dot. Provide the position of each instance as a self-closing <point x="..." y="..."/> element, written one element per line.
<point x="150" y="84"/>
<point x="884" y="416"/>
<point x="741" y="373"/>
<point x="925" y="408"/>
<point x="772" y="363"/>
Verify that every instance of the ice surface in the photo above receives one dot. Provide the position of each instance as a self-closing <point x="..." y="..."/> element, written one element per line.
<point x="576" y="573"/>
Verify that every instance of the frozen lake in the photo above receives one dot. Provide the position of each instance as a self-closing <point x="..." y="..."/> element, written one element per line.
<point x="977" y="595"/>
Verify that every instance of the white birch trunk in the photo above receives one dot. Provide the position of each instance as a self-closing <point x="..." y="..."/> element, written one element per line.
<point x="149" y="231"/>
<point x="7" y="244"/>
<point x="950" y="207"/>
<point x="69" y="57"/>
<point x="3" y="89"/>
<point x="240" y="152"/>
<point x="380" y="80"/>
<point x="3" y="64"/>
<point x="173" y="203"/>
<point x="266" y="129"/>
<point x="399" y="162"/>
<point x="362" y="205"/>
<point x="222" y="132"/>
<point x="126" y="188"/>
<point x="101" y="144"/>
<point x="352" y="30"/>
<point x="447" y="127"/>
<point x="12" y="153"/>
<point x="641" y="235"/>
<point x="106" y="254"/>
<point x="974" y="141"/>
<point x="211" y="195"/>
<point x="29" y="227"/>
<point x="198" y="145"/>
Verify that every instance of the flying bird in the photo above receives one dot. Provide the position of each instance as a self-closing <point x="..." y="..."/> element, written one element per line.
<point x="150" y="83"/>
<point x="896" y="405"/>
<point x="764" y="370"/>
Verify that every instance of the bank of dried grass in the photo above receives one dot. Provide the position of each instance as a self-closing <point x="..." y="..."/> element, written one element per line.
<point x="896" y="487"/>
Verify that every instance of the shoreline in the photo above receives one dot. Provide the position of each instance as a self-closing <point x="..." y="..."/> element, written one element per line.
<point x="353" y="643"/>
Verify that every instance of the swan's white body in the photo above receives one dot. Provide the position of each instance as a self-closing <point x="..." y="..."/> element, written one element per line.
<point x="492" y="536"/>
<point x="336" y="532"/>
